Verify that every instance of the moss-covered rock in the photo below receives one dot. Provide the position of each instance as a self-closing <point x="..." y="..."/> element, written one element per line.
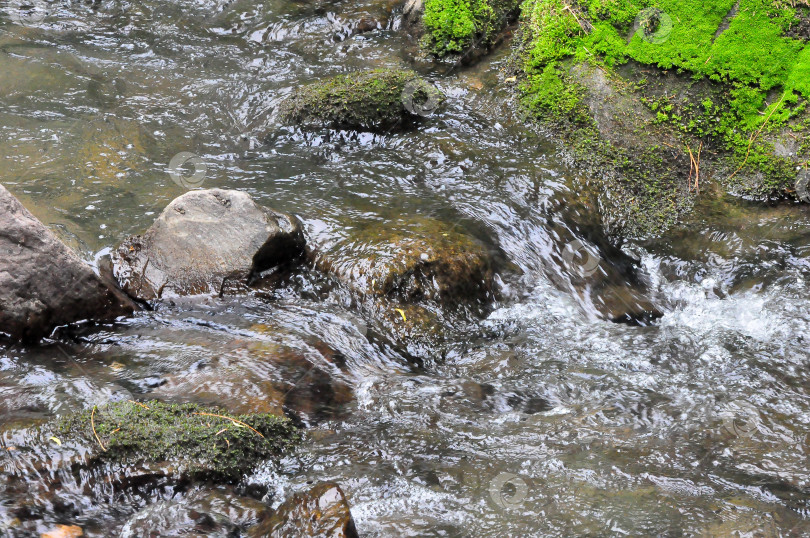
<point x="459" y="27"/>
<point x="410" y="260"/>
<point x="645" y="93"/>
<point x="379" y="99"/>
<point x="196" y="442"/>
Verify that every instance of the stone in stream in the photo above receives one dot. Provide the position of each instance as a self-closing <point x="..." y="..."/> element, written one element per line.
<point x="413" y="274"/>
<point x="410" y="260"/>
<point x="380" y="99"/>
<point x="219" y="511"/>
<point x="252" y="375"/>
<point x="132" y="447"/>
<point x="322" y="511"/>
<point x="207" y="242"/>
<point x="44" y="284"/>
<point x="463" y="32"/>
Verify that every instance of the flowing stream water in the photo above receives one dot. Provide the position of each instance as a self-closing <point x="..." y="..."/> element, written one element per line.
<point x="544" y="419"/>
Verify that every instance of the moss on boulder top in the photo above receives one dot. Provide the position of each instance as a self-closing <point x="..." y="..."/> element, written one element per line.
<point x="730" y="77"/>
<point x="457" y="26"/>
<point x="196" y="442"/>
<point x="379" y="99"/>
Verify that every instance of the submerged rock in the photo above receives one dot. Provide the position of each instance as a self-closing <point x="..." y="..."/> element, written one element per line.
<point x="207" y="242"/>
<point x="320" y="512"/>
<point x="380" y="99"/>
<point x="414" y="276"/>
<point x="410" y="261"/>
<point x="263" y="375"/>
<point x="203" y="512"/>
<point x="43" y="284"/>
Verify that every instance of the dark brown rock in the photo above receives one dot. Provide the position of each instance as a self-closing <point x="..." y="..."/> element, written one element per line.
<point x="205" y="242"/>
<point x="44" y="284"/>
<point x="321" y="512"/>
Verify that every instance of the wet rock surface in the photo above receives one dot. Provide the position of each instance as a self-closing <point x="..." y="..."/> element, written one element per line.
<point x="43" y="284"/>
<point x="265" y="376"/>
<point x="134" y="452"/>
<point x="416" y="259"/>
<point x="218" y="512"/>
<point x="320" y="512"/>
<point x="413" y="275"/>
<point x="207" y="242"/>
<point x="380" y="99"/>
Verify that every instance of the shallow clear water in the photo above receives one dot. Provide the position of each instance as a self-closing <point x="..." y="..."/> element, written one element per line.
<point x="543" y="420"/>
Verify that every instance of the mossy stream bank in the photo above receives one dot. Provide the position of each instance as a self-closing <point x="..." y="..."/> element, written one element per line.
<point x="661" y="102"/>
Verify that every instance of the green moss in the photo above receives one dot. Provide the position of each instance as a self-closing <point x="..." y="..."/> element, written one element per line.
<point x="454" y="26"/>
<point x="762" y="74"/>
<point x="548" y="94"/>
<point x="188" y="436"/>
<point x="376" y="99"/>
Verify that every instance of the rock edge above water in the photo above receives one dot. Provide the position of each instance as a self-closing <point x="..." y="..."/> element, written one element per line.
<point x="44" y="284"/>
<point x="207" y="242"/>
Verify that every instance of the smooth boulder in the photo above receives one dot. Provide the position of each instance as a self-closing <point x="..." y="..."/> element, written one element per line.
<point x="207" y="242"/>
<point x="44" y="284"/>
<point x="322" y="511"/>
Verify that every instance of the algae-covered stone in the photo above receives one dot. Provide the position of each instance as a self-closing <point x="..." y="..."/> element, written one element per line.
<point x="195" y="442"/>
<point x="375" y="100"/>
<point x="418" y="277"/>
<point x="410" y="260"/>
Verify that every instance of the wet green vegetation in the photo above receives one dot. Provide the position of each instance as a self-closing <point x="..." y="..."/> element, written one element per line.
<point x="204" y="443"/>
<point x="454" y="26"/>
<point x="757" y="68"/>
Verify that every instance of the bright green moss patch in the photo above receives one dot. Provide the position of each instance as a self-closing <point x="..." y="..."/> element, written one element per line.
<point x="454" y="26"/>
<point x="550" y="92"/>
<point x="200" y="442"/>
<point x="752" y="50"/>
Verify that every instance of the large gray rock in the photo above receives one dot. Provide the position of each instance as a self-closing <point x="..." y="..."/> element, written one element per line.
<point x="206" y="242"/>
<point x="43" y="284"/>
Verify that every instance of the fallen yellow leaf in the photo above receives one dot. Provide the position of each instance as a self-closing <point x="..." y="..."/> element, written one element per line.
<point x="511" y="79"/>
<point x="55" y="440"/>
<point x="64" y="531"/>
<point x="401" y="313"/>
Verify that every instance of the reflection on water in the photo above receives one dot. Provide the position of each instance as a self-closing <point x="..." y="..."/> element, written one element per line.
<point x="544" y="419"/>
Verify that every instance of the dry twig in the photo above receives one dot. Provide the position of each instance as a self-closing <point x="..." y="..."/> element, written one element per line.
<point x="239" y="422"/>
<point x="93" y="425"/>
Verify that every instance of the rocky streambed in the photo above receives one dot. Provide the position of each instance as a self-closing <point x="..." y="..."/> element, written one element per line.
<point x="432" y="269"/>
